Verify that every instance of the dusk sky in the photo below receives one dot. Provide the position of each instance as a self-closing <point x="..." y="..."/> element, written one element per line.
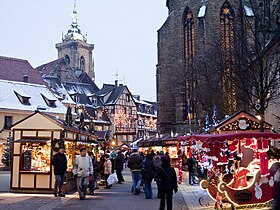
<point x="124" y="33"/>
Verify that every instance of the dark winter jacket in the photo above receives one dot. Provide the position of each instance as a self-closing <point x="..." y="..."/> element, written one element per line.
<point x="191" y="163"/>
<point x="59" y="162"/>
<point x="119" y="161"/>
<point x="148" y="169"/>
<point x="135" y="162"/>
<point x="167" y="182"/>
<point x="101" y="163"/>
<point x="95" y="167"/>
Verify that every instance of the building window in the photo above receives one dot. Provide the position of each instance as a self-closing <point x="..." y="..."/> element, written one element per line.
<point x="24" y="99"/>
<point x="75" y="98"/>
<point x="127" y="98"/>
<point x="94" y="101"/>
<point x="49" y="101"/>
<point x="82" y="63"/>
<point x="227" y="48"/>
<point x="8" y="122"/>
<point x="67" y="59"/>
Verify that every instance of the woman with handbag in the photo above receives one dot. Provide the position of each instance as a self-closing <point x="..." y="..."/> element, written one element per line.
<point x="107" y="170"/>
<point x="167" y="182"/>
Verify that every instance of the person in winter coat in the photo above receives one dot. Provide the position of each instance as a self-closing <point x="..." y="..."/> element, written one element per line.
<point x="167" y="183"/>
<point x="101" y="164"/>
<point x="157" y="165"/>
<point x="191" y="163"/>
<point x="59" y="161"/>
<point x="119" y="166"/>
<point x="93" y="179"/>
<point x="82" y="168"/>
<point x="135" y="164"/>
<point x="107" y="170"/>
<point x="148" y="170"/>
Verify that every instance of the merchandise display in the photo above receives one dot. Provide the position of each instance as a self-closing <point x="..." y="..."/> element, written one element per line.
<point x="36" y="157"/>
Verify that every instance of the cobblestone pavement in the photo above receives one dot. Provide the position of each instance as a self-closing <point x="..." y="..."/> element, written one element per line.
<point x="117" y="198"/>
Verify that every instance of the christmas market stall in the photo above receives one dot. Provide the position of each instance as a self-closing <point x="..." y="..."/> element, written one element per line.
<point x="240" y="122"/>
<point x="231" y="177"/>
<point x="36" y="139"/>
<point x="164" y="142"/>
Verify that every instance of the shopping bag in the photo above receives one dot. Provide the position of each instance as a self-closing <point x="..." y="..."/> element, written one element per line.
<point x="112" y="179"/>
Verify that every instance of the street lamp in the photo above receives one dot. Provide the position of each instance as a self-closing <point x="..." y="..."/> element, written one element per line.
<point x="113" y="143"/>
<point x="258" y="117"/>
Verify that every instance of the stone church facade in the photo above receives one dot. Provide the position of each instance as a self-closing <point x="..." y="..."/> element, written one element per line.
<point x="198" y="46"/>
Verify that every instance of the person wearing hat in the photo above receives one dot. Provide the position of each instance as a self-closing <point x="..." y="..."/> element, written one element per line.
<point x="59" y="162"/>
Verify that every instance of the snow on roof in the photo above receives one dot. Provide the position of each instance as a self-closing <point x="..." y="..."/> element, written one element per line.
<point x="202" y="11"/>
<point x="9" y="100"/>
<point x="90" y="94"/>
<point x="249" y="12"/>
<point x="21" y="92"/>
<point x="67" y="101"/>
<point x="49" y="96"/>
<point x="141" y="102"/>
<point x="146" y="114"/>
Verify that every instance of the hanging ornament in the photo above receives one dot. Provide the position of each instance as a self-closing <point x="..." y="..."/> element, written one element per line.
<point x="239" y="149"/>
<point x="264" y="164"/>
<point x="249" y="142"/>
<point x="233" y="146"/>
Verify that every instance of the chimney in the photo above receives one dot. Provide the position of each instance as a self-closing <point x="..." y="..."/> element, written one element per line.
<point x="116" y="83"/>
<point x="25" y="78"/>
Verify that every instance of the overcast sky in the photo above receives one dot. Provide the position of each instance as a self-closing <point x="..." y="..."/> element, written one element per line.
<point x="124" y="33"/>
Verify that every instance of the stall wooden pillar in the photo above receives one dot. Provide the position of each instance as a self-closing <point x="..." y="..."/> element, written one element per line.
<point x="180" y="162"/>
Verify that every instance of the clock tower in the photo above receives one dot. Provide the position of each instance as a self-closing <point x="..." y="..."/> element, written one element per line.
<point x="75" y="49"/>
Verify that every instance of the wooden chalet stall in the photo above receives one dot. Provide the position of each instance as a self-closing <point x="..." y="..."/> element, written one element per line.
<point x="36" y="139"/>
<point x="165" y="143"/>
<point x="240" y="122"/>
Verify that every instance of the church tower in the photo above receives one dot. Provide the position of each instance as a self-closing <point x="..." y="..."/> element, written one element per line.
<point x="75" y="49"/>
<point x="197" y="45"/>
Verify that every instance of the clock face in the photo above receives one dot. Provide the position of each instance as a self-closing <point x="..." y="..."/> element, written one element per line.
<point x="243" y="125"/>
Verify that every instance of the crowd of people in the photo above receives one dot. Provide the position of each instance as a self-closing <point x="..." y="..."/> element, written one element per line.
<point x="156" y="167"/>
<point x="89" y="169"/>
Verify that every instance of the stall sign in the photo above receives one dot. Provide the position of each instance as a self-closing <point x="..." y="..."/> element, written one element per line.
<point x="243" y="196"/>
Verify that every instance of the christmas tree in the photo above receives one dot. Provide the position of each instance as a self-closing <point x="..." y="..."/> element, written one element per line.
<point x="6" y="157"/>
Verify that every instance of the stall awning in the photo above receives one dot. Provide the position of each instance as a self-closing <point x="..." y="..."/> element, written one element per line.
<point x="31" y="141"/>
<point x="208" y="138"/>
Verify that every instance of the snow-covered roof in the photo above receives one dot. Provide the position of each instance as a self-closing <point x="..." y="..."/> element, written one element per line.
<point x="249" y="12"/>
<point x="146" y="114"/>
<point x="35" y="93"/>
<point x="141" y="101"/>
<point x="202" y="11"/>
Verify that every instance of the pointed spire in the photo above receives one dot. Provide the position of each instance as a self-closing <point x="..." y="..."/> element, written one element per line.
<point x="75" y="14"/>
<point x="74" y="32"/>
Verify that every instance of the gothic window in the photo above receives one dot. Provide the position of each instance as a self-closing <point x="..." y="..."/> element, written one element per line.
<point x="227" y="47"/>
<point x="82" y="63"/>
<point x="189" y="55"/>
<point x="189" y="36"/>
